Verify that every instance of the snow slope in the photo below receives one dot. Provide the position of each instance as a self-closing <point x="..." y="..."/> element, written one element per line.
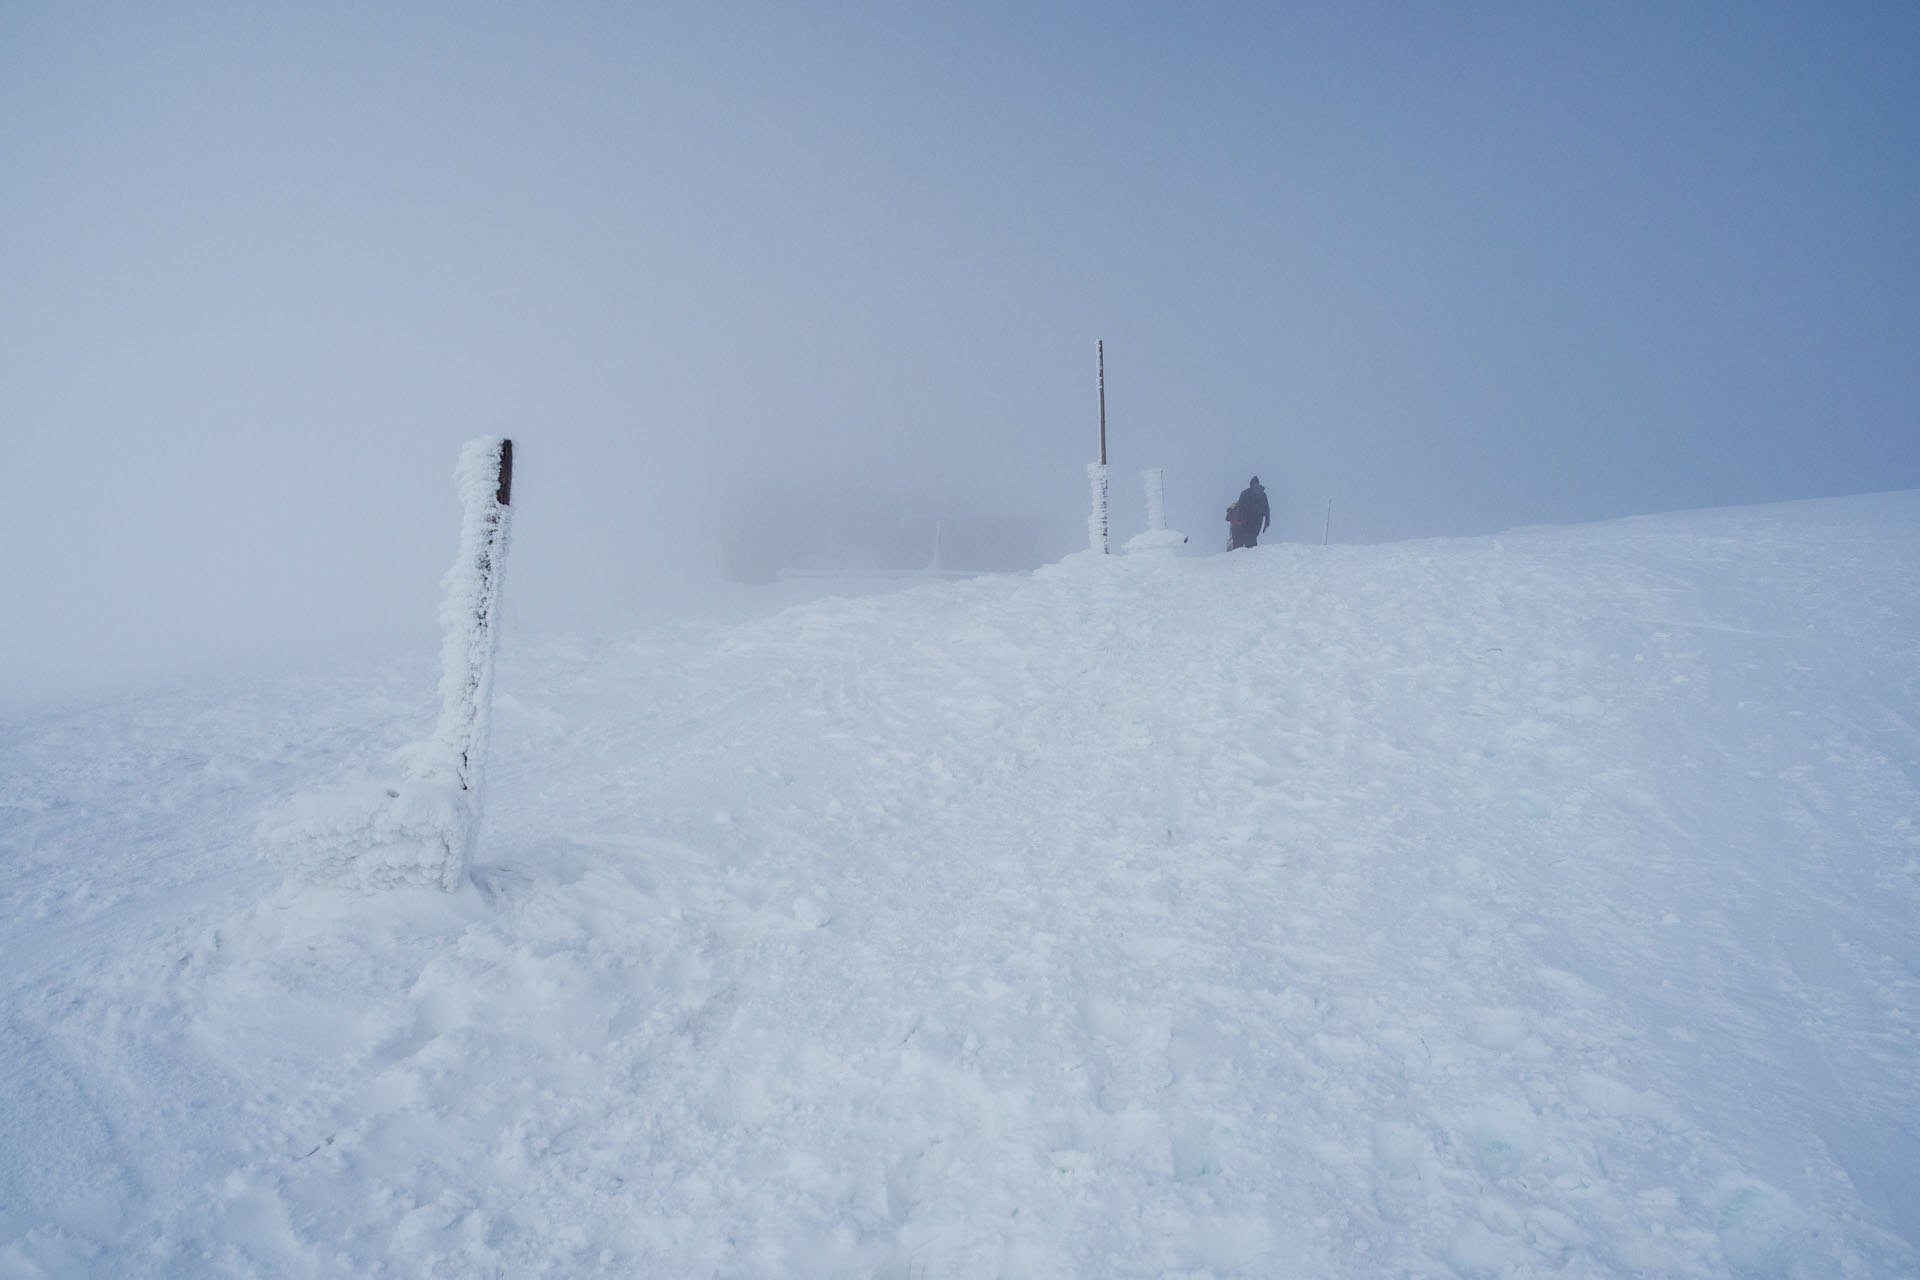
<point x="1540" y="905"/>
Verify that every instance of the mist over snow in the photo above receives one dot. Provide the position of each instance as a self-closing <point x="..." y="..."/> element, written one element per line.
<point x="744" y="281"/>
<point x="1531" y="904"/>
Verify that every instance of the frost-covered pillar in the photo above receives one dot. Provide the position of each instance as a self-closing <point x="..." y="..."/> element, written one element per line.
<point x="1156" y="500"/>
<point x="1097" y="522"/>
<point x="469" y="613"/>
<point x="417" y="830"/>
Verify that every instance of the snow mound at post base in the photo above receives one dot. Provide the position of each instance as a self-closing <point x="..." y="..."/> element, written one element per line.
<point x="1164" y="541"/>
<point x="372" y="835"/>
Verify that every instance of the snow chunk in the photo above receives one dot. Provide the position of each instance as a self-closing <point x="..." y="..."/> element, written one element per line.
<point x="373" y="836"/>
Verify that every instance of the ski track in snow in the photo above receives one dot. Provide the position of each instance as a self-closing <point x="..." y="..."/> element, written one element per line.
<point x="1539" y="905"/>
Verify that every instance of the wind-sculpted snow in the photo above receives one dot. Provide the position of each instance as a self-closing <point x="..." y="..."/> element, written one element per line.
<point x="1539" y="905"/>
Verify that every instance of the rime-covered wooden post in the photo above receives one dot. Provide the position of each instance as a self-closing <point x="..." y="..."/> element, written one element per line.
<point x="469" y="613"/>
<point x="418" y="830"/>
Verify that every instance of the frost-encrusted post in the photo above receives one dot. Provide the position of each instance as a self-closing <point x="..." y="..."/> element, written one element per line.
<point x="417" y="830"/>
<point x="1157" y="536"/>
<point x="469" y="612"/>
<point x="1097" y="522"/>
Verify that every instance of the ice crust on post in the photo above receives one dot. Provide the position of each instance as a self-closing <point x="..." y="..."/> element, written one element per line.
<point x="1097" y="522"/>
<point x="468" y="616"/>
<point x="418" y="830"/>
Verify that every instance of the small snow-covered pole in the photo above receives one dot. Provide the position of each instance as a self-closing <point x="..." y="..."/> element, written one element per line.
<point x="1156" y="500"/>
<point x="1326" y="530"/>
<point x="469" y="614"/>
<point x="1157" y="538"/>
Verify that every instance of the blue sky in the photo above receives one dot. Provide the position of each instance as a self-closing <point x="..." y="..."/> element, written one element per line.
<point x="1453" y="267"/>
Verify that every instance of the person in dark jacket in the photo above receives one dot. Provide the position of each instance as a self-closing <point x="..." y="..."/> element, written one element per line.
<point x="1249" y="517"/>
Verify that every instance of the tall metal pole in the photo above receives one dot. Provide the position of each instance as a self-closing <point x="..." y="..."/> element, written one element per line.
<point x="1100" y="348"/>
<point x="1097" y="472"/>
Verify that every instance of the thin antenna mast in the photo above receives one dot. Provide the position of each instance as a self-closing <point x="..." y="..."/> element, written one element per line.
<point x="1100" y="348"/>
<point x="1327" y="529"/>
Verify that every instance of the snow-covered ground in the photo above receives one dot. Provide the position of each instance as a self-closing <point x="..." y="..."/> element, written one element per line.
<point x="1537" y="905"/>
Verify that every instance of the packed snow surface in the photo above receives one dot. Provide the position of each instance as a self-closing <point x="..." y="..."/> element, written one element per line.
<point x="1534" y="905"/>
